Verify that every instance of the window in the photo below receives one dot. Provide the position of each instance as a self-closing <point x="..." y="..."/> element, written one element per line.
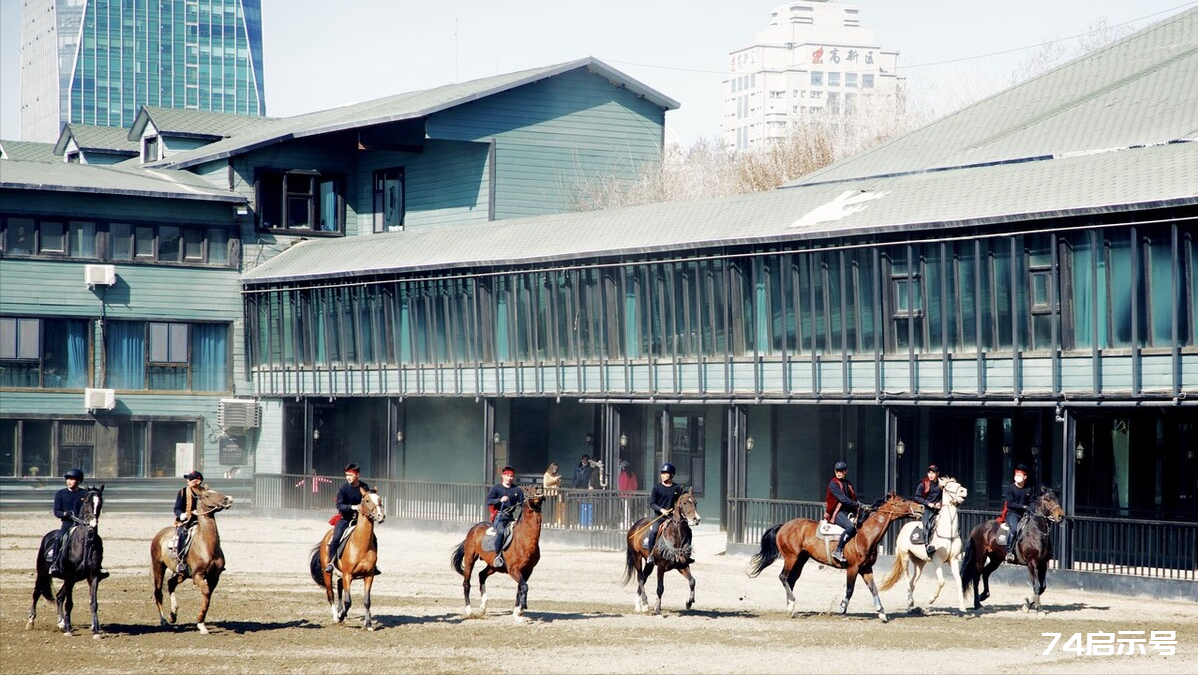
<point x="171" y="356"/>
<point x="867" y="81"/>
<point x="389" y="200"/>
<point x="833" y="79"/>
<point x="850" y="79"/>
<point x="44" y="353"/>
<point x="51" y="238"/>
<point x="817" y="78"/>
<point x="177" y="244"/>
<point x="151" y="149"/>
<point x="305" y="201"/>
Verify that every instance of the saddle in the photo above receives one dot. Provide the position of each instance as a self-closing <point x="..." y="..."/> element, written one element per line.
<point x="919" y="536"/>
<point x="188" y="536"/>
<point x="489" y="538"/>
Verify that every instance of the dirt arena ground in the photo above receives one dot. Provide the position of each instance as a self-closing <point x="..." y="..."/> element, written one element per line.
<point x="268" y="617"/>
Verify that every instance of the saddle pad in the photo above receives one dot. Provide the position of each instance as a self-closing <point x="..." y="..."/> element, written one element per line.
<point x="827" y="529"/>
<point x="917" y="535"/>
<point x="489" y="539"/>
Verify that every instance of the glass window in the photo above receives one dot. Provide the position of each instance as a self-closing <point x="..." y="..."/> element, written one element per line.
<point x="169" y="243"/>
<point x="82" y="239"/>
<point x="193" y="244"/>
<point x="833" y="79"/>
<point x="817" y="78"/>
<point x="300" y="201"/>
<point x="19" y="236"/>
<point x="53" y="237"/>
<point x="120" y="241"/>
<point x="143" y="241"/>
<point x="867" y="81"/>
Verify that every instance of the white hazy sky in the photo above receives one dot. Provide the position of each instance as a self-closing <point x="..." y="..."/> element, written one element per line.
<point x="320" y="53"/>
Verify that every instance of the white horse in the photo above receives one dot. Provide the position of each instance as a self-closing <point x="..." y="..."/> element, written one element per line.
<point x="948" y="547"/>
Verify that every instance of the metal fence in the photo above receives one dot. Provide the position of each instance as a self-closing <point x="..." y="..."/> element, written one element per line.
<point x="1143" y="548"/>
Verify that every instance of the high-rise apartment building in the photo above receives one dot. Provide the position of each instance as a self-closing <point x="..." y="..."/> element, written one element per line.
<point x="814" y="58"/>
<point x="98" y="61"/>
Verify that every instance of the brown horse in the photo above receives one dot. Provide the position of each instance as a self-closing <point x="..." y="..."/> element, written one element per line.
<point x="983" y="553"/>
<point x="81" y="552"/>
<point x="797" y="541"/>
<point x="205" y="559"/>
<point x="358" y="559"/>
<point x="519" y="559"/>
<point x="673" y="551"/>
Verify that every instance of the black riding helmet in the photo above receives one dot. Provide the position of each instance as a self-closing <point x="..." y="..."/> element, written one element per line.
<point x="77" y="474"/>
<point x="667" y="468"/>
<point x="840" y="466"/>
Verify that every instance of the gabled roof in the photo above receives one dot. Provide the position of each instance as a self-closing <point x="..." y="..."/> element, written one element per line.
<point x="411" y="105"/>
<point x="28" y="151"/>
<point x="195" y="123"/>
<point x="90" y="137"/>
<point x="1136" y="91"/>
<point x="110" y="180"/>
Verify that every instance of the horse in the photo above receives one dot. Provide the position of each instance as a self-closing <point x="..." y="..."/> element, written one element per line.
<point x="983" y="553"/>
<point x="946" y="537"/>
<point x="205" y="559"/>
<point x="358" y="560"/>
<point x="673" y="551"/>
<point x="519" y="559"/>
<point x="799" y="540"/>
<point x="80" y="554"/>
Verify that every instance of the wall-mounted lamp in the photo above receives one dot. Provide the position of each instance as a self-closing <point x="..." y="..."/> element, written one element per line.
<point x="590" y="438"/>
<point x="399" y="436"/>
<point x="1189" y="454"/>
<point x="852" y="446"/>
<point x="1035" y="450"/>
<point x="1006" y="449"/>
<point x="1079" y="453"/>
<point x="623" y="440"/>
<point x="316" y="434"/>
<point x="241" y="210"/>
<point x="497" y="438"/>
<point x="900" y="448"/>
<point x="749" y="444"/>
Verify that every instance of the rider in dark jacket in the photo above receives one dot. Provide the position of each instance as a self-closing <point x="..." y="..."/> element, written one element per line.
<point x="349" y="498"/>
<point x="662" y="500"/>
<point x="67" y="502"/>
<point x="840" y="502"/>
<point x="503" y="499"/>
<point x="185" y="505"/>
<point x="1016" y="498"/>
<point x="928" y="493"/>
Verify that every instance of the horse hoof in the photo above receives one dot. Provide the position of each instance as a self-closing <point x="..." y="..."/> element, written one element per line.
<point x="883" y="617"/>
<point x="370" y="628"/>
<point x="203" y="628"/>
<point x="172" y="617"/>
<point x="95" y="636"/>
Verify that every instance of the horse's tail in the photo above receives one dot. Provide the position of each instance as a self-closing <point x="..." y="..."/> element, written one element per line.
<point x="458" y="558"/>
<point x="314" y="566"/>
<point x="41" y="584"/>
<point x="897" y="571"/>
<point x="969" y="570"/>
<point x="768" y="553"/>
<point x="630" y="559"/>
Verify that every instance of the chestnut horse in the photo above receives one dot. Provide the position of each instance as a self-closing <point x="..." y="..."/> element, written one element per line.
<point x="205" y="559"/>
<point x="81" y="551"/>
<point x="673" y="551"/>
<point x="797" y="541"/>
<point x="358" y="560"/>
<point x="983" y="553"/>
<point x="945" y="537"/>
<point x="519" y="559"/>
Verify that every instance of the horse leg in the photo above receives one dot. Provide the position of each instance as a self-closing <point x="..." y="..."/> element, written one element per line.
<point x="521" y="592"/>
<point x="342" y="599"/>
<point x="467" y="572"/>
<point x="41" y="587"/>
<point x="917" y="567"/>
<point x="66" y="603"/>
<point x="661" y="585"/>
<point x="642" y="598"/>
<point x="94" y="582"/>
<point x="201" y="582"/>
<point x="367" y="583"/>
<point x="690" y="579"/>
<point x="482" y="589"/>
<point x="868" y="575"/>
<point x="954" y="566"/>
<point x="987" y="570"/>
<point x="850" y="580"/>
<point x="1042" y="571"/>
<point x="939" y="579"/>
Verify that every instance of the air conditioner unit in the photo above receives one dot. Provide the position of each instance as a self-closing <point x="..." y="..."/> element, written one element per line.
<point x="238" y="413"/>
<point x="99" y="399"/>
<point x="99" y="275"/>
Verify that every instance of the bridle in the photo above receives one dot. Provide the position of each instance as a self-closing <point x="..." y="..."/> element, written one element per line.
<point x="376" y="513"/>
<point x="207" y="509"/>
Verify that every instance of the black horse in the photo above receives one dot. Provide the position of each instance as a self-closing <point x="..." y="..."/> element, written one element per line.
<point x="80" y="554"/>
<point x="983" y="553"/>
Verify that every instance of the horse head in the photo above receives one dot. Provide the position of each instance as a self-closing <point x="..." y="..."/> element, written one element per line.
<point x="534" y="496"/>
<point x="93" y="502"/>
<point x="687" y="508"/>
<point x="212" y="501"/>
<point x="897" y="506"/>
<point x="372" y="506"/>
<point x="1048" y="505"/>
<point x="954" y="492"/>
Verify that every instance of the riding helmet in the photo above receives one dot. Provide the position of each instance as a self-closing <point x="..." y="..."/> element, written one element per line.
<point x="667" y="468"/>
<point x="77" y="474"/>
<point x="934" y="469"/>
<point x="840" y="466"/>
<point x="192" y="475"/>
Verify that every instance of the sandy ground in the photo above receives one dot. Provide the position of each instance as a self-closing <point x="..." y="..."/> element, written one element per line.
<point x="268" y="617"/>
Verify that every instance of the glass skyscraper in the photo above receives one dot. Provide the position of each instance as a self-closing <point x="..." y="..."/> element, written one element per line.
<point x="99" y="61"/>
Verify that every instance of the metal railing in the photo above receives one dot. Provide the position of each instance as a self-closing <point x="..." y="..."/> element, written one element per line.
<point x="1144" y="548"/>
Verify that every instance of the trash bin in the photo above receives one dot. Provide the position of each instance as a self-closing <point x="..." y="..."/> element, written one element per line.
<point x="585" y="513"/>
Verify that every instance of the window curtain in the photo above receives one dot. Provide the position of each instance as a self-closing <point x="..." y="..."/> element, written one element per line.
<point x="1083" y="291"/>
<point x="126" y="350"/>
<point x="76" y="367"/>
<point x="209" y="357"/>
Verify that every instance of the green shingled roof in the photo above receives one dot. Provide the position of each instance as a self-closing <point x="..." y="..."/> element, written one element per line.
<point x="110" y="180"/>
<point x="29" y="151"/>
<point x="409" y="105"/>
<point x="1114" y="131"/>
<point x="1139" y="90"/>
<point x="96" y="138"/>
<point x="196" y="122"/>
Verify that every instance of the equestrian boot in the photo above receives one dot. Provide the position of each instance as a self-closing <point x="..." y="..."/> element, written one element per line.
<point x="498" y="562"/>
<point x="838" y="554"/>
<point x="182" y="570"/>
<point x="931" y="550"/>
<point x="52" y="558"/>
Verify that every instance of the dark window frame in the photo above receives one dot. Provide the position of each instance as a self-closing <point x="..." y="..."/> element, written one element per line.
<point x="287" y="183"/>
<point x="381" y="176"/>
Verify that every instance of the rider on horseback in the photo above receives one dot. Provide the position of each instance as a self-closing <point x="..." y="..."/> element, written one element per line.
<point x="502" y="501"/>
<point x="1016" y="498"/>
<point x="841" y="501"/>
<point x="185" y="515"/>
<point x="662" y="500"/>
<point x="67" y="503"/>
<point x="349" y="499"/>
<point x="928" y="493"/>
